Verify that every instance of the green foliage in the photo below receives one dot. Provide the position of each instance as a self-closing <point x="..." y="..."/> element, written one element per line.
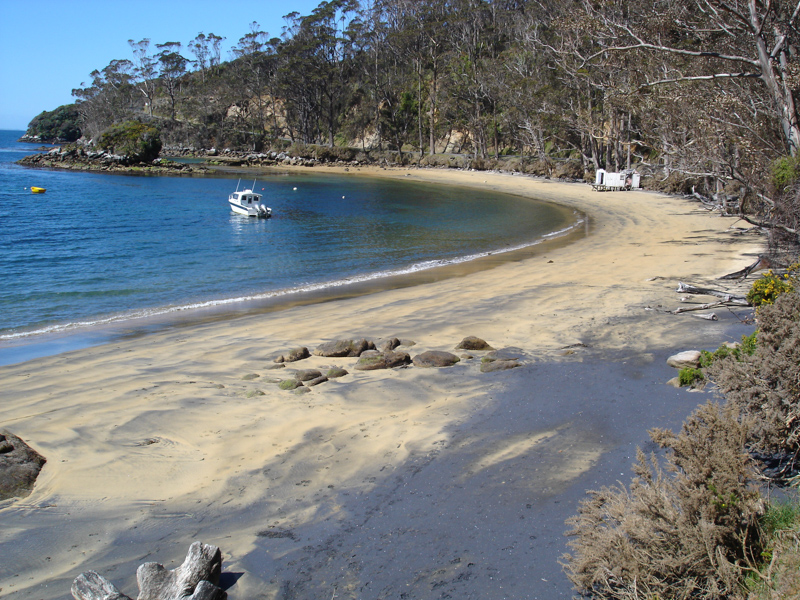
<point x="781" y="515"/>
<point x="59" y="124"/>
<point x="767" y="288"/>
<point x="777" y="574"/>
<point x="137" y="141"/>
<point x="690" y="376"/>
<point x="785" y="171"/>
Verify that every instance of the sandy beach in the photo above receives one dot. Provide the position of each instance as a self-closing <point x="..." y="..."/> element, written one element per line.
<point x="407" y="483"/>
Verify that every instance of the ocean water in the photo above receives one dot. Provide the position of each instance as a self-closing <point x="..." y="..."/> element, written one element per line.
<point x="97" y="249"/>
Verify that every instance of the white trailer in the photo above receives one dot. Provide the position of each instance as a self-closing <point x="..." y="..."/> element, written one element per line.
<point x="613" y="182"/>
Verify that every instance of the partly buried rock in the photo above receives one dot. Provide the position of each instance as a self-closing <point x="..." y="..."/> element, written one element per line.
<point x="473" y="343"/>
<point x="435" y="358"/>
<point x="196" y="579"/>
<point x="307" y="374"/>
<point x="382" y="360"/>
<point x="315" y="381"/>
<point x="335" y="372"/>
<point x="339" y="348"/>
<point x="385" y="345"/>
<point x="293" y="355"/>
<point x="290" y="384"/>
<point x="297" y="354"/>
<point x="501" y="364"/>
<point x="687" y="358"/>
<point x="19" y="466"/>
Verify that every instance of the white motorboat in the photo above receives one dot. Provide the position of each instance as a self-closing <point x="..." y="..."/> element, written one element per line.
<point x="247" y="202"/>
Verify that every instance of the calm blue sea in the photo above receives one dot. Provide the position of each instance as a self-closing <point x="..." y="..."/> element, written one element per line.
<point x="98" y="249"/>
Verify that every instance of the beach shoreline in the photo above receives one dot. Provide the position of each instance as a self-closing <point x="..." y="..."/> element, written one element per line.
<point x="159" y="440"/>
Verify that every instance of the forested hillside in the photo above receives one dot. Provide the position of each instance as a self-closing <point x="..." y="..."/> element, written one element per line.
<point x="701" y="92"/>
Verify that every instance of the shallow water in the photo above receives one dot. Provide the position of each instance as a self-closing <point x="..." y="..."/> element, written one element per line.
<point x="98" y="248"/>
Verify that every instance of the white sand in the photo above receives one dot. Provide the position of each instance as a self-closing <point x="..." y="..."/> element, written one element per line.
<point x="153" y="442"/>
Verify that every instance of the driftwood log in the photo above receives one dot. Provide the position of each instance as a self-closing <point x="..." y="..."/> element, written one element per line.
<point x="725" y="299"/>
<point x="195" y="579"/>
<point x="762" y="263"/>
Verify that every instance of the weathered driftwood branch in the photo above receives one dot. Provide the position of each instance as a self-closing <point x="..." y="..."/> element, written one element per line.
<point x="684" y="309"/>
<point x="727" y="297"/>
<point x="761" y="263"/>
<point x="195" y="579"/>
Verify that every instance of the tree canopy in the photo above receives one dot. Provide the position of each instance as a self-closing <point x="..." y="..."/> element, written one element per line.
<point x="699" y="89"/>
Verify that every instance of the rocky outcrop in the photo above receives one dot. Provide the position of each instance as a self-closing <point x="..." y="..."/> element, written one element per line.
<point x="78" y="158"/>
<point x="19" y="466"/>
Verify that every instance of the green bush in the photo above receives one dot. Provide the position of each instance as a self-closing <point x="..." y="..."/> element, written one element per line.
<point x="689" y="376"/>
<point x="785" y="172"/>
<point x="768" y="287"/>
<point x="136" y="141"/>
<point x="59" y="124"/>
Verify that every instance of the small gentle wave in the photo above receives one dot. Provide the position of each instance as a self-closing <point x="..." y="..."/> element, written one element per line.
<point x="317" y="287"/>
<point x="100" y="250"/>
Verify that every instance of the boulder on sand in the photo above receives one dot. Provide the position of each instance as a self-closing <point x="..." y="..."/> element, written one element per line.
<point x="473" y="343"/>
<point x="382" y="360"/>
<point x="19" y="466"/>
<point x="340" y="348"/>
<point x="435" y="358"/>
<point x="687" y="358"/>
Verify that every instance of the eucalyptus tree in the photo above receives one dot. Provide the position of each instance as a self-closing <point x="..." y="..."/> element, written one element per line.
<point x="253" y="72"/>
<point x="172" y="67"/>
<point x="108" y="99"/>
<point x="144" y="71"/>
<point x="734" y="54"/>
<point x="206" y="50"/>
<point x="199" y="46"/>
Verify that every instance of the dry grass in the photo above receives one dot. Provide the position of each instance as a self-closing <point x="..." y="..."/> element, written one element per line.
<point x="687" y="530"/>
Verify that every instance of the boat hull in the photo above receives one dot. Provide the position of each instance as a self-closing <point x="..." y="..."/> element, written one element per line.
<point x="38" y="190"/>
<point x="249" y="212"/>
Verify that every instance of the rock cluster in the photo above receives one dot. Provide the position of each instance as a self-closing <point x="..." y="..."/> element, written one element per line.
<point x="79" y="158"/>
<point x="19" y="466"/>
<point x="385" y="354"/>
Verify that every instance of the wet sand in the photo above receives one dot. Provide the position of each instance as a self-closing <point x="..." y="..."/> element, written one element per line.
<point x="409" y="483"/>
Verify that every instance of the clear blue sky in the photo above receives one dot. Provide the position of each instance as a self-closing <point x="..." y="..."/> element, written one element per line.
<point x="49" y="47"/>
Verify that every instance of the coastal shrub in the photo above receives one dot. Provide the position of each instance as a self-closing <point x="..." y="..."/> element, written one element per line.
<point x="136" y="141"/>
<point x="689" y="376"/>
<point x="765" y="384"/>
<point x="768" y="287"/>
<point x="687" y="530"/>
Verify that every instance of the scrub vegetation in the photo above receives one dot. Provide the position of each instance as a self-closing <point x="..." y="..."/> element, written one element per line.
<point x="693" y="523"/>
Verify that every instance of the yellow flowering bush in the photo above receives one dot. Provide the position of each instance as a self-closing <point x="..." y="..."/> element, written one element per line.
<point x="766" y="289"/>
